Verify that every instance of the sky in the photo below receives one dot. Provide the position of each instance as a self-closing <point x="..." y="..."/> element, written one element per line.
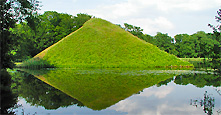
<point x="166" y="16"/>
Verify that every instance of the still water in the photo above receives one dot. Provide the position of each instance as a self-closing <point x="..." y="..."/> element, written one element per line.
<point x="116" y="91"/>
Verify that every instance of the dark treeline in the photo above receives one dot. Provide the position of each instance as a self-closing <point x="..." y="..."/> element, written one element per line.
<point x="50" y="27"/>
<point x="197" y="45"/>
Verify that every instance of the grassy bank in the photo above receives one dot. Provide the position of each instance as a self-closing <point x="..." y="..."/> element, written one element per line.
<point x="200" y="63"/>
<point x="34" y="64"/>
<point x="194" y="59"/>
<point x="100" y="43"/>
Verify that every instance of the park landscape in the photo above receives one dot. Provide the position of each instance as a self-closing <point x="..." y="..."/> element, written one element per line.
<point x="98" y="66"/>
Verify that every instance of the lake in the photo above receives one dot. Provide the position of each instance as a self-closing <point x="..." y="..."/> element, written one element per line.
<point x="115" y="91"/>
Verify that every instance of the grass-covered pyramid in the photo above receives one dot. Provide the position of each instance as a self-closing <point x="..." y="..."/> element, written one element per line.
<point x="99" y="43"/>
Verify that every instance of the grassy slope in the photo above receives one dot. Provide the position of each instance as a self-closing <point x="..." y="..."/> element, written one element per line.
<point x="100" y="43"/>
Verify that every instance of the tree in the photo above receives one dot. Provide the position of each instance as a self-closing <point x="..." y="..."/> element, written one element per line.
<point x="196" y="45"/>
<point x="208" y="103"/>
<point x="149" y="38"/>
<point x="52" y="27"/>
<point x="11" y="12"/>
<point x="204" y="44"/>
<point x="218" y="19"/>
<point x="185" y="45"/>
<point x="166" y="43"/>
<point x="216" y="50"/>
<point x="163" y="41"/>
<point x="80" y="19"/>
<point x="137" y="31"/>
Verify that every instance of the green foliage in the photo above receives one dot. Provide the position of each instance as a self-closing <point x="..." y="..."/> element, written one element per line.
<point x="102" y="44"/>
<point x="199" y="45"/>
<point x="35" y="64"/>
<point x="80" y="19"/>
<point x="137" y="31"/>
<point x="195" y="59"/>
<point x="50" y="27"/>
<point x="196" y="45"/>
<point x="149" y="38"/>
<point x="165" y="42"/>
<point x="216" y="50"/>
<point x="205" y="44"/>
<point x="11" y="12"/>
<point x="185" y="45"/>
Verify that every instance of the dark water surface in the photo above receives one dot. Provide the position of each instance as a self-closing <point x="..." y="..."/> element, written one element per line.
<point x="115" y="91"/>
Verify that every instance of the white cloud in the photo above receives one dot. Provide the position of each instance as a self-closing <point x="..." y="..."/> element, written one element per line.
<point x="166" y="16"/>
<point x="152" y="15"/>
<point x="157" y="92"/>
<point x="152" y="25"/>
<point x="123" y="9"/>
<point x="190" y="5"/>
<point x="123" y="106"/>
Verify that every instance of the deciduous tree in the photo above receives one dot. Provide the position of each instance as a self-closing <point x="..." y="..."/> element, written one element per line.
<point x="216" y="57"/>
<point x="11" y="12"/>
<point x="50" y="28"/>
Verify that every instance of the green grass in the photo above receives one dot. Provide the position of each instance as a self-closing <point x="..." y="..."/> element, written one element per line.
<point x="194" y="59"/>
<point x="35" y="64"/>
<point x="100" y="43"/>
<point x="18" y="63"/>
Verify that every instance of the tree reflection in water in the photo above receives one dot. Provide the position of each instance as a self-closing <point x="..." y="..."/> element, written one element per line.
<point x="98" y="89"/>
<point x="38" y="93"/>
<point x="201" y="80"/>
<point x="8" y="98"/>
<point x="207" y="103"/>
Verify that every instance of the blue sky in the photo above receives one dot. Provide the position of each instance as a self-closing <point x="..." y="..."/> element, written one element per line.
<point x="166" y="16"/>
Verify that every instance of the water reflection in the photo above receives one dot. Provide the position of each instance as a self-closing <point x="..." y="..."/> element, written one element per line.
<point x="170" y="99"/>
<point x="208" y="103"/>
<point x="199" y="80"/>
<point x="123" y="91"/>
<point x="8" y="98"/>
<point x="38" y="93"/>
<point x="99" y="89"/>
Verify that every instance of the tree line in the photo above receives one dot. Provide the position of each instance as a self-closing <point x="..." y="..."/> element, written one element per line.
<point x="51" y="27"/>
<point x="197" y="45"/>
<point x="25" y="33"/>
